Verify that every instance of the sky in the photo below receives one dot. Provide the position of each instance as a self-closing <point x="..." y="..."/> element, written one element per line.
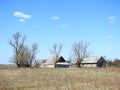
<point x="47" y="22"/>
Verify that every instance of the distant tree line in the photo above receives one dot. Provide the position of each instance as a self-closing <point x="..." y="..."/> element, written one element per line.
<point x="114" y="63"/>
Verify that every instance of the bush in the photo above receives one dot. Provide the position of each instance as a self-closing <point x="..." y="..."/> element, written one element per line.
<point x="115" y="63"/>
<point x="36" y="64"/>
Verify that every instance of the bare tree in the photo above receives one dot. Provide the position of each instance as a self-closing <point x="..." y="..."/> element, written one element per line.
<point x="33" y="53"/>
<point x="23" y="55"/>
<point x="80" y="50"/>
<point x="56" y="49"/>
<point x="17" y="43"/>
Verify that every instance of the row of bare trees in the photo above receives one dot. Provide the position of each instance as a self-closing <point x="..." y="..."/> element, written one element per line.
<point x="79" y="51"/>
<point x="24" y="56"/>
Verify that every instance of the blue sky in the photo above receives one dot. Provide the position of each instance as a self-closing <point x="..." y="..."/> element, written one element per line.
<point x="66" y="21"/>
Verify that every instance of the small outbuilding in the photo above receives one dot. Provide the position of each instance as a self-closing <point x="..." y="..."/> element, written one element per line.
<point x="93" y="62"/>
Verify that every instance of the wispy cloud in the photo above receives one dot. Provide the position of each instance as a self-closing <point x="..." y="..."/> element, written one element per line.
<point x="21" y="15"/>
<point x="108" y="37"/>
<point x="35" y="26"/>
<point x="54" y="18"/>
<point x="112" y="19"/>
<point x="22" y="20"/>
<point x="64" y="25"/>
<point x="111" y="22"/>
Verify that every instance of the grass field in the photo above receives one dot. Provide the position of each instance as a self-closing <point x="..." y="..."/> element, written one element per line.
<point x="60" y="79"/>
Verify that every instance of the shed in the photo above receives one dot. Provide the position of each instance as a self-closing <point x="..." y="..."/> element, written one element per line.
<point x="93" y="62"/>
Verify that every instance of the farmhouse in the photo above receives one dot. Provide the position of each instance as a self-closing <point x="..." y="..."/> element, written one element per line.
<point x="93" y="62"/>
<point x="55" y="62"/>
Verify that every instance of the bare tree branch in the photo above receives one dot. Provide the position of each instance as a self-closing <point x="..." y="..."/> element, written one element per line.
<point x="56" y="49"/>
<point x="33" y="53"/>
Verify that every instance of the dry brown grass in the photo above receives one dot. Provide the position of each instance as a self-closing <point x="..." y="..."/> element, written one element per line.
<point x="60" y="79"/>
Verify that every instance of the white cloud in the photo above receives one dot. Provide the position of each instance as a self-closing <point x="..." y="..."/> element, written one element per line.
<point x="64" y="25"/>
<point x="54" y="18"/>
<point x="22" y="20"/>
<point x="22" y="15"/>
<point x="112" y="19"/>
<point x="108" y="37"/>
<point x="111" y="22"/>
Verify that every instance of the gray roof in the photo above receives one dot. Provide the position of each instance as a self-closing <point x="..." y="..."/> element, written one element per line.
<point x="51" y="60"/>
<point x="92" y="59"/>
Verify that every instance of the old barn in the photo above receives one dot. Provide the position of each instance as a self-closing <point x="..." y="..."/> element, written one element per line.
<point x="93" y="62"/>
<point x="55" y="62"/>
